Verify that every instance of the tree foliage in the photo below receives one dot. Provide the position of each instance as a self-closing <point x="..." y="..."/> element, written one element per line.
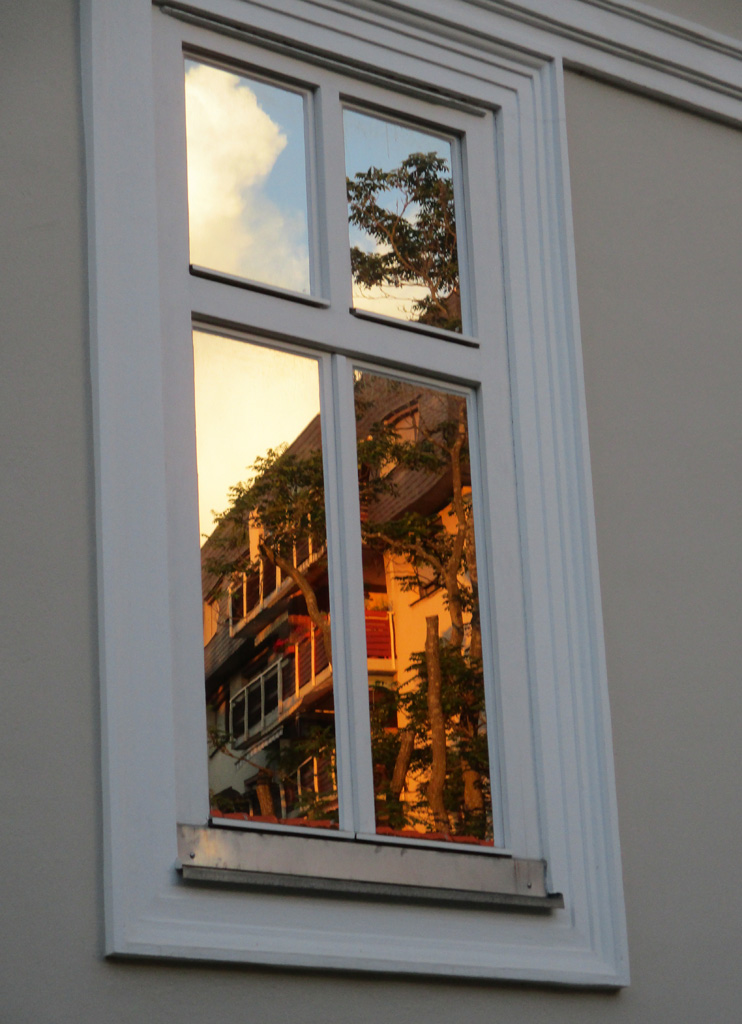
<point x="429" y="730"/>
<point x="408" y="213"/>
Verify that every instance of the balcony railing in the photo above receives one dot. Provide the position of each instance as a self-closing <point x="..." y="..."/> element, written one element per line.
<point x="250" y="592"/>
<point x="273" y="694"/>
<point x="311" y="657"/>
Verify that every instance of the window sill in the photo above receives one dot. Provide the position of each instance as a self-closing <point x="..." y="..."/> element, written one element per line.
<point x="414" y="326"/>
<point x="333" y="866"/>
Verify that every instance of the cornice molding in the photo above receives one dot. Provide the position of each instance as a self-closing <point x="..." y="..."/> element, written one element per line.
<point x="618" y="40"/>
<point x="543" y="12"/>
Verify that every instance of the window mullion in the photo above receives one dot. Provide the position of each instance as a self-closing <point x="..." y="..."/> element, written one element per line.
<point x="332" y="196"/>
<point x="353" y="729"/>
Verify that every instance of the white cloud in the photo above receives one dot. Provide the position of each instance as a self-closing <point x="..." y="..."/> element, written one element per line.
<point x="388" y="301"/>
<point x="233" y="146"/>
<point x="397" y="302"/>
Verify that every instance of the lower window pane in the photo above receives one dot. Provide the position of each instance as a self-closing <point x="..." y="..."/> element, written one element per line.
<point x="264" y="579"/>
<point x="423" y="636"/>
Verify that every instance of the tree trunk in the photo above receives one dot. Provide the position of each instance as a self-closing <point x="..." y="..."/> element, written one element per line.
<point x="265" y="797"/>
<point x="437" y="780"/>
<point x="318" y="617"/>
<point x="402" y="764"/>
<point x="473" y="796"/>
<point x="454" y="564"/>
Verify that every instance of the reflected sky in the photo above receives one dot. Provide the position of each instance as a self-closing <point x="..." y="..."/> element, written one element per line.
<point x="247" y="191"/>
<point x="249" y="398"/>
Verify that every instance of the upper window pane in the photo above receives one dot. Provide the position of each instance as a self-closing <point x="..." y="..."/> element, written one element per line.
<point x="247" y="180"/>
<point x="404" y="255"/>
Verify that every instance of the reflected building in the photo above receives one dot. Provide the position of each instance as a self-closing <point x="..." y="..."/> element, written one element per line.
<point x="269" y="672"/>
<point x="267" y="632"/>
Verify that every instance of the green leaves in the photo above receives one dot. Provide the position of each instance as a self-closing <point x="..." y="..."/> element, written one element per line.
<point x="408" y="214"/>
<point x="467" y="758"/>
<point x="285" y="497"/>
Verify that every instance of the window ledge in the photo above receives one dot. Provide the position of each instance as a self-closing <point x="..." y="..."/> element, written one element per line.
<point x="329" y="866"/>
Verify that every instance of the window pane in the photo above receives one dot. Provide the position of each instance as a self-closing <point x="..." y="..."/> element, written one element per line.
<point x="424" y="645"/>
<point x="247" y="184"/>
<point x="253" y="707"/>
<point x="237" y="601"/>
<point x="238" y="717"/>
<point x="403" y="249"/>
<point x="270" y="697"/>
<point x="260" y="462"/>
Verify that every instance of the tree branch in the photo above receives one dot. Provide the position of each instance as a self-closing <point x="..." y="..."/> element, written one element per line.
<point x="320" y="619"/>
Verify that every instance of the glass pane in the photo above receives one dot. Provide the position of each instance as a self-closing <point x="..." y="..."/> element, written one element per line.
<point x="259" y="456"/>
<point x="423" y="636"/>
<point x="238" y="716"/>
<point x="403" y="250"/>
<point x="271" y="691"/>
<point x="253" y="707"/>
<point x="247" y="184"/>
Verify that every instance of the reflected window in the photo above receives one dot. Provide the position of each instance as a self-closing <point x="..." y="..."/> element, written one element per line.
<point x="428" y="721"/>
<point x="403" y="244"/>
<point x="211" y="620"/>
<point x="247" y="182"/>
<point x="268" y="663"/>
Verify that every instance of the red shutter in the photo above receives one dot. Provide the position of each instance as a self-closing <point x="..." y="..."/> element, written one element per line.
<point x="378" y="635"/>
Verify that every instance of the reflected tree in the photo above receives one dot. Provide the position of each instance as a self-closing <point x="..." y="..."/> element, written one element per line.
<point x="431" y="771"/>
<point x="276" y="512"/>
<point x="408" y="213"/>
<point x="421" y="519"/>
<point x="282" y="505"/>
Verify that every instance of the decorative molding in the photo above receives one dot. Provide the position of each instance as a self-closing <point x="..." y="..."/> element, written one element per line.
<point x="654" y="18"/>
<point x="543" y="14"/>
<point x="629" y="43"/>
<point x="552" y="716"/>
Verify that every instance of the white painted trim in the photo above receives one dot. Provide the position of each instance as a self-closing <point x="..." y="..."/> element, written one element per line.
<point x="553" y="722"/>
<point x="617" y="40"/>
<point x="620" y="41"/>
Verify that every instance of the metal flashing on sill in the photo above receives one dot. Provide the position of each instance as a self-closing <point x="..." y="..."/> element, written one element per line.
<point x="324" y="867"/>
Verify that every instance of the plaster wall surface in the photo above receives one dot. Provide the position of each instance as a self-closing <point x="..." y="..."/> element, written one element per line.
<point x="723" y="16"/>
<point x="657" y="225"/>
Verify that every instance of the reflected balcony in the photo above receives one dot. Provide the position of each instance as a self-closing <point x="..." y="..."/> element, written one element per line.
<point x="301" y="677"/>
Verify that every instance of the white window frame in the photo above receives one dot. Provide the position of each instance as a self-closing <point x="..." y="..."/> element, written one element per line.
<point x="266" y="720"/>
<point x="554" y="743"/>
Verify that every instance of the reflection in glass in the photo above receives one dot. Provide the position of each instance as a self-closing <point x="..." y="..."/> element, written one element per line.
<point x="247" y="191"/>
<point x="267" y="640"/>
<point x="428" y="725"/>
<point x="403" y="249"/>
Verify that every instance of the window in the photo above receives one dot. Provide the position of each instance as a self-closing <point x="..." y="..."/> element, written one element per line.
<point x="255" y="708"/>
<point x="354" y="338"/>
<point x="211" y="620"/>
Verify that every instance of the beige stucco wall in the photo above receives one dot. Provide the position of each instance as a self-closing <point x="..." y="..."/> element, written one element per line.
<point x="658" y="223"/>
<point x="719" y="15"/>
